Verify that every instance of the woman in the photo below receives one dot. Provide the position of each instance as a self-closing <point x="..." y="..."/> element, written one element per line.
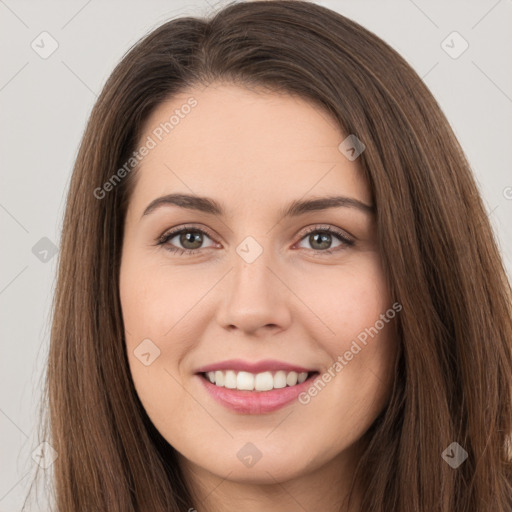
<point x="206" y="353"/>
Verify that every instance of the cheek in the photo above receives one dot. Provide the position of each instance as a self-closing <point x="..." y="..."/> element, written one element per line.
<point x="344" y="302"/>
<point x="156" y="297"/>
<point x="358" y="334"/>
<point x="161" y="307"/>
<point x="367" y="333"/>
<point x="154" y="303"/>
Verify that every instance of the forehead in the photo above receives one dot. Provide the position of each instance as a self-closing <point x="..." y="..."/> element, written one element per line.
<point x="243" y="144"/>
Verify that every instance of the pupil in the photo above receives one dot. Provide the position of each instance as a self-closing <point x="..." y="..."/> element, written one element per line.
<point x="324" y="239"/>
<point x="189" y="237"/>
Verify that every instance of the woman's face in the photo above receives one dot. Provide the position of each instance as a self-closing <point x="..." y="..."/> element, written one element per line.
<point x="258" y="299"/>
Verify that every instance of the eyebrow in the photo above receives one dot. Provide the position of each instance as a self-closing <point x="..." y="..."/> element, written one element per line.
<point x="294" y="209"/>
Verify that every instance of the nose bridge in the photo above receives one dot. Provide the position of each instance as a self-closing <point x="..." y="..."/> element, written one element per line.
<point x="254" y="296"/>
<point x="252" y="276"/>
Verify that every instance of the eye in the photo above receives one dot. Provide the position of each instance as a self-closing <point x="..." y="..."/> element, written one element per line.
<point x="321" y="237"/>
<point x="191" y="239"/>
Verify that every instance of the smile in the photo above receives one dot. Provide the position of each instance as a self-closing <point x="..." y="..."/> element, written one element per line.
<point x="258" y="393"/>
<point x="264" y="381"/>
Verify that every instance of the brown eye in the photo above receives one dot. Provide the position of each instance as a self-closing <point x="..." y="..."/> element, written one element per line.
<point x="320" y="239"/>
<point x="324" y="240"/>
<point x="190" y="239"/>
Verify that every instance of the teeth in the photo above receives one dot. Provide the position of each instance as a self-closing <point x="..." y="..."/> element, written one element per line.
<point x="230" y="379"/>
<point x="265" y="381"/>
<point x="291" y="378"/>
<point x="280" y="379"/>
<point x="245" y="381"/>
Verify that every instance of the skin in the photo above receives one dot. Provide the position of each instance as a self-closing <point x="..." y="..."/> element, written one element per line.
<point x="254" y="152"/>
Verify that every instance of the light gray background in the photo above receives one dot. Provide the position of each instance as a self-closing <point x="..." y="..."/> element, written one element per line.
<point x="45" y="104"/>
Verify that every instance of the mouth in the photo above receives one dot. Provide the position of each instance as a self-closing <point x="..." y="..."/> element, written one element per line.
<point x="258" y="382"/>
<point x="248" y="393"/>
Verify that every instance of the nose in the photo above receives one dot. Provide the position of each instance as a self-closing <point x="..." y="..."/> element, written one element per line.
<point x="255" y="297"/>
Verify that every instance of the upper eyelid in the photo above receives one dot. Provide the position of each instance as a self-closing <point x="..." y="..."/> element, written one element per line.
<point x="178" y="230"/>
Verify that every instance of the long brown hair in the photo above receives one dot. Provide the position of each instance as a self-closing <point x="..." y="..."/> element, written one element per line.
<point x="453" y="375"/>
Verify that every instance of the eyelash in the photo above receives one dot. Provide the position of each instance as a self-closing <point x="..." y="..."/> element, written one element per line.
<point x="162" y="240"/>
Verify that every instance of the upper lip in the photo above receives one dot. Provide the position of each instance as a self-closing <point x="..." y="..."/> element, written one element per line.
<point x="253" y="367"/>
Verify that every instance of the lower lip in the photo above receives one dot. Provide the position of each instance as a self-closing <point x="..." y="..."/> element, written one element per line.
<point x="255" y="402"/>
